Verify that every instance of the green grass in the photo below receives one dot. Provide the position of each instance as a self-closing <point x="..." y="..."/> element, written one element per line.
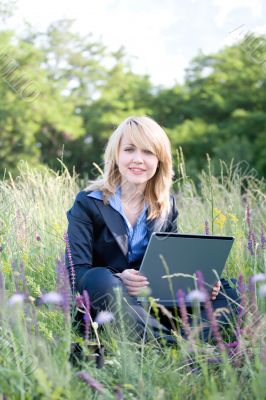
<point x="35" y="341"/>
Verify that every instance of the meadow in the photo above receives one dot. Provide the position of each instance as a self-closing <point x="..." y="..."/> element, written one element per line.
<point x="36" y="333"/>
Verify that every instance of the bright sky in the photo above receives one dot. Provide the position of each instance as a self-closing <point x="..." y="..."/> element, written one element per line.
<point x="161" y="36"/>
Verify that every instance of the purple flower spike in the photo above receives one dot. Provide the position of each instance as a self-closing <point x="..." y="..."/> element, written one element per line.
<point x="79" y="301"/>
<point x="71" y="264"/>
<point x="87" y="313"/>
<point x="251" y="242"/>
<point x="248" y="217"/>
<point x="232" y="345"/>
<point x="93" y="383"/>
<point x="262" y="238"/>
<point x="243" y="304"/>
<point x="253" y="301"/>
<point x="63" y="287"/>
<point x="209" y="312"/>
<point x="183" y="312"/>
<point x="207" y="228"/>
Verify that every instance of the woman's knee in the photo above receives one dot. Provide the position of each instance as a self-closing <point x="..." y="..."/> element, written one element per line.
<point x="229" y="289"/>
<point x="100" y="284"/>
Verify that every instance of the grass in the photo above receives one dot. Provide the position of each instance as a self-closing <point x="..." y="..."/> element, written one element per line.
<point x="35" y="340"/>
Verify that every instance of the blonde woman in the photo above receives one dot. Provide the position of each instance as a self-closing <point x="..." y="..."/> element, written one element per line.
<point x="112" y="219"/>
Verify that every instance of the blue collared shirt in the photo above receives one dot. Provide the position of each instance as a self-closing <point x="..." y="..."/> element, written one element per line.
<point x="137" y="234"/>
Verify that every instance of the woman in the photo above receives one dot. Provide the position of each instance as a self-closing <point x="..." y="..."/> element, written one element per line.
<point x="112" y="219"/>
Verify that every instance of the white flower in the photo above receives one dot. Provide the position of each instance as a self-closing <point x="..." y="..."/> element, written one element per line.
<point x="95" y="325"/>
<point x="258" y="278"/>
<point x="262" y="291"/>
<point x="196" y="295"/>
<point x="52" y="298"/>
<point x="104" y="317"/>
<point x="17" y="298"/>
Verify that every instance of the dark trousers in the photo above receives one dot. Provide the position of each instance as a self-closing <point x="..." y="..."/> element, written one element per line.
<point x="101" y="284"/>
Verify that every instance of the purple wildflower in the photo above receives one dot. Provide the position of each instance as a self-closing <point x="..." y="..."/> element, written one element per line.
<point x="196" y="295"/>
<point x="232" y="345"/>
<point x="87" y="313"/>
<point x="258" y="277"/>
<point x="52" y="298"/>
<point x="119" y="395"/>
<point x="209" y="311"/>
<point x="251" y="242"/>
<point x="253" y="302"/>
<point x="17" y="298"/>
<point x="37" y="237"/>
<point x="262" y="291"/>
<point x="248" y="217"/>
<point x="79" y="301"/>
<point x="93" y="383"/>
<point x="62" y="286"/>
<point x="71" y="264"/>
<point x="207" y="228"/>
<point x="262" y="238"/>
<point x="183" y="312"/>
<point x="104" y="317"/>
<point x="243" y="304"/>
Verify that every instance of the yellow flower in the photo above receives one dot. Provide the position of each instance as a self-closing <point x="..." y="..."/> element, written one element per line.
<point x="220" y="218"/>
<point x="233" y="218"/>
<point x="6" y="268"/>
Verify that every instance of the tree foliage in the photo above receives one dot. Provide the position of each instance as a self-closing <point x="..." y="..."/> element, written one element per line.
<point x="62" y="94"/>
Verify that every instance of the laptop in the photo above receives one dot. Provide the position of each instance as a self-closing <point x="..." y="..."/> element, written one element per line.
<point x="172" y="259"/>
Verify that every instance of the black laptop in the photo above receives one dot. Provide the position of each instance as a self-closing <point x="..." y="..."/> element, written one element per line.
<point x="172" y="259"/>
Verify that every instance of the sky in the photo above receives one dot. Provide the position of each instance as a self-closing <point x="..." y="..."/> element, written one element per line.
<point x="161" y="37"/>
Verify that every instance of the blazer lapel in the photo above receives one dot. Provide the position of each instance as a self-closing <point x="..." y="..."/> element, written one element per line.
<point x="116" y="225"/>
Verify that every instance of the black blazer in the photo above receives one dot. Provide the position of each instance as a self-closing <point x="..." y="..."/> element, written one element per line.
<point x="97" y="234"/>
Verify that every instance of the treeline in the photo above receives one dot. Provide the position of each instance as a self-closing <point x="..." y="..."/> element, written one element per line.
<point x="62" y="94"/>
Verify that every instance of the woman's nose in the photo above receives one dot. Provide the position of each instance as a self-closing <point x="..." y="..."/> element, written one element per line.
<point x="137" y="157"/>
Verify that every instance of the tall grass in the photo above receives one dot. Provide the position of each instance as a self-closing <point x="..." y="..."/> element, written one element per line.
<point x="36" y="337"/>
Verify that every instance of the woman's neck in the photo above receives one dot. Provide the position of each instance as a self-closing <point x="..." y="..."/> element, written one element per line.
<point x="131" y="193"/>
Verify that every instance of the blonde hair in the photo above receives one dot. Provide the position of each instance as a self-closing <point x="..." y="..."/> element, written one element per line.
<point x="145" y="133"/>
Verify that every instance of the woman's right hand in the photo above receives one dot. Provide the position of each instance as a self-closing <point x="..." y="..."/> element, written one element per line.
<point x="133" y="281"/>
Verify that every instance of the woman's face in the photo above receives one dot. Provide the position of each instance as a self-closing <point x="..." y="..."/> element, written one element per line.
<point x="136" y="165"/>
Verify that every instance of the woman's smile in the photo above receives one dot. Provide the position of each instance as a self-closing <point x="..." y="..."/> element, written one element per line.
<point x="137" y="171"/>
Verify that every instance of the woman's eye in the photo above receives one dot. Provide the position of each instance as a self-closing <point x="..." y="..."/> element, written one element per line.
<point x="148" y="152"/>
<point x="129" y="149"/>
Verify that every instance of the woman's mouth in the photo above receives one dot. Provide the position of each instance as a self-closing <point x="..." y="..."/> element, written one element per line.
<point x="137" y="171"/>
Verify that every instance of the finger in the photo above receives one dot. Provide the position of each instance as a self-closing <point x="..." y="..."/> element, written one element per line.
<point x="133" y="284"/>
<point x="135" y="278"/>
<point x="135" y="272"/>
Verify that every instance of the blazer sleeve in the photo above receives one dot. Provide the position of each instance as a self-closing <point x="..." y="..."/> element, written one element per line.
<point x="172" y="218"/>
<point x="80" y="233"/>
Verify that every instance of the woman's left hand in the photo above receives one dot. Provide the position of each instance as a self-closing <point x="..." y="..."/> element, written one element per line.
<point x="215" y="290"/>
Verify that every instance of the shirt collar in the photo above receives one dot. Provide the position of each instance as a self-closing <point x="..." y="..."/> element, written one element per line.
<point x="115" y="200"/>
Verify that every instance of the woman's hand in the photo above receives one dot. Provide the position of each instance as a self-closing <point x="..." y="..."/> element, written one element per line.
<point x="133" y="281"/>
<point x="215" y="290"/>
